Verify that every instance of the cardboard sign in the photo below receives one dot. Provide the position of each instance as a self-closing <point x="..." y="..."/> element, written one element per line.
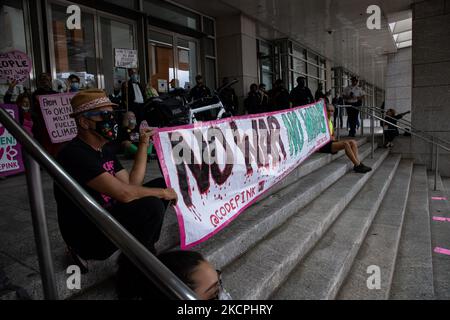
<point x="56" y="109"/>
<point x="14" y="65"/>
<point x="126" y="58"/>
<point x="10" y="150"/>
<point x="219" y="168"/>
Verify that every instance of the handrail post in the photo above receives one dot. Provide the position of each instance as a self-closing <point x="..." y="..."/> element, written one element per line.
<point x="36" y="196"/>
<point x="372" y="132"/>
<point x="362" y="121"/>
<point x="339" y="108"/>
<point x="436" y="168"/>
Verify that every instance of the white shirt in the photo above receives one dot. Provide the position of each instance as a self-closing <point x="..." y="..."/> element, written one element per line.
<point x="357" y="92"/>
<point x="138" y="98"/>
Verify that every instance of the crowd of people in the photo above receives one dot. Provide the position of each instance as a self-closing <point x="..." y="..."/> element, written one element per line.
<point x="91" y="159"/>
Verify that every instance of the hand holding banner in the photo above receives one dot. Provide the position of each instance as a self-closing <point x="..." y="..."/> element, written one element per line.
<point x="220" y="168"/>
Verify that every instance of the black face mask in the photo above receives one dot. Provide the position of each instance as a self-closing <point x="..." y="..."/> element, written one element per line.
<point x="107" y="129"/>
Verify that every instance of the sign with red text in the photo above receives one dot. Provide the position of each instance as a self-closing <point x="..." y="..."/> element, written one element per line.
<point x="14" y="65"/>
<point x="56" y="110"/>
<point x="219" y="168"/>
<point x="10" y="150"/>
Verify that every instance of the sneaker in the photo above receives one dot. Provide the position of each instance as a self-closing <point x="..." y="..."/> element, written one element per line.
<point x="361" y="168"/>
<point x="366" y="168"/>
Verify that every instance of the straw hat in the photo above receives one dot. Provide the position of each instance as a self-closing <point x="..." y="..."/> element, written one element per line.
<point x="89" y="100"/>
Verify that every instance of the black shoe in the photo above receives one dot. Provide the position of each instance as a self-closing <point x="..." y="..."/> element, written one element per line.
<point x="361" y="168"/>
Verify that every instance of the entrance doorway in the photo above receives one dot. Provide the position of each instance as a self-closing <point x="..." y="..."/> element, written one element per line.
<point x="173" y="60"/>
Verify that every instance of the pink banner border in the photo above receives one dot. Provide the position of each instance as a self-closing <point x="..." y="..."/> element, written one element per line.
<point x="18" y="146"/>
<point x="157" y="144"/>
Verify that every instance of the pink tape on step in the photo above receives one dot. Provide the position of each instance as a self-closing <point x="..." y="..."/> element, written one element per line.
<point x="443" y="219"/>
<point x="442" y="251"/>
<point x="438" y="198"/>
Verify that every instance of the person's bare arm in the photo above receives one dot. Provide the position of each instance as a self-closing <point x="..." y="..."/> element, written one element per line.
<point x="137" y="173"/>
<point x="125" y="193"/>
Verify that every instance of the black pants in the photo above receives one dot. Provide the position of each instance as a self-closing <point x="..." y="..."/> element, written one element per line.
<point x="143" y="218"/>
<point x="353" y="115"/>
<point x="390" y="134"/>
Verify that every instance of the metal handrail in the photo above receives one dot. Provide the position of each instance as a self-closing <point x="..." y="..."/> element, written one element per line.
<point x="433" y="142"/>
<point x="408" y="123"/>
<point x="156" y="271"/>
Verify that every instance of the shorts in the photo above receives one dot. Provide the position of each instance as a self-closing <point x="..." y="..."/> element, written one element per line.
<point x="327" y="148"/>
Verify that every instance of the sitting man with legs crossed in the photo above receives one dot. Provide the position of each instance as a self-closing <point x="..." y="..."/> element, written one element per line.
<point x="350" y="146"/>
<point x="90" y="159"/>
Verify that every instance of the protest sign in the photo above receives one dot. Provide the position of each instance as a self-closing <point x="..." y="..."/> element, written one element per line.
<point x="56" y="109"/>
<point x="126" y="58"/>
<point x="219" y="168"/>
<point x="10" y="150"/>
<point x="14" y="65"/>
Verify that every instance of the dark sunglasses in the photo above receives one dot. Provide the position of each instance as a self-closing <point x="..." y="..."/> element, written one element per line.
<point x="105" y="115"/>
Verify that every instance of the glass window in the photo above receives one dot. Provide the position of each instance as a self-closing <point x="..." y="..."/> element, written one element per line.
<point x="14" y="35"/>
<point x="209" y="47"/>
<point x="132" y="4"/>
<point x="299" y="52"/>
<point x="74" y="50"/>
<point x="208" y="26"/>
<point x="313" y="70"/>
<point x="168" y="12"/>
<point x="187" y="63"/>
<point x="210" y="73"/>
<point x="161" y="60"/>
<point x="313" y="85"/>
<point x="299" y="66"/>
<point x="115" y="35"/>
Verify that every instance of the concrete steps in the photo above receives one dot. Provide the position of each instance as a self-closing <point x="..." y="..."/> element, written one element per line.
<point x="413" y="276"/>
<point x="321" y="273"/>
<point x="381" y="244"/>
<point x="270" y="213"/>
<point x="440" y="237"/>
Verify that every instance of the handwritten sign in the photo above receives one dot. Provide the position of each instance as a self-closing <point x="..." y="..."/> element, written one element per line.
<point x="10" y="150"/>
<point x="126" y="58"/>
<point x="56" y="110"/>
<point x="219" y="168"/>
<point x="14" y="65"/>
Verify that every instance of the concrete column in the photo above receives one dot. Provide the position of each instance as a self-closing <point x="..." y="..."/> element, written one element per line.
<point x="431" y="77"/>
<point x="237" y="53"/>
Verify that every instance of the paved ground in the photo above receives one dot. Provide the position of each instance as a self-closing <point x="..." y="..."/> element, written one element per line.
<point x="16" y="231"/>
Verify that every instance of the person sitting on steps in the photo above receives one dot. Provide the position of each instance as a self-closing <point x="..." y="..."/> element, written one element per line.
<point x="350" y="146"/>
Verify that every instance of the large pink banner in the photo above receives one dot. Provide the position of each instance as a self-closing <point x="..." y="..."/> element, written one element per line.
<point x="220" y="168"/>
<point x="56" y="109"/>
<point x="10" y="150"/>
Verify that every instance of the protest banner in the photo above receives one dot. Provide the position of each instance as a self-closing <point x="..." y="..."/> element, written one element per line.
<point x="219" y="168"/>
<point x="56" y="110"/>
<point x="10" y="150"/>
<point x="126" y="58"/>
<point x="14" y="65"/>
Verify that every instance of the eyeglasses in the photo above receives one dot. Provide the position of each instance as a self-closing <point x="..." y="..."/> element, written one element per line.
<point x="105" y="115"/>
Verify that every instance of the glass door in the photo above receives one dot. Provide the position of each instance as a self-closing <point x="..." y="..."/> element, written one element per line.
<point x="173" y="61"/>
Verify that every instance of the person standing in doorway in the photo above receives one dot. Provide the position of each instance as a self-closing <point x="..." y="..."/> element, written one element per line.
<point x="133" y="95"/>
<point x="353" y="96"/>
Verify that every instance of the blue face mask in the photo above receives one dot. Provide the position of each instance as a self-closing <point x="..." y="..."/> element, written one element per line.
<point x="74" y="87"/>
